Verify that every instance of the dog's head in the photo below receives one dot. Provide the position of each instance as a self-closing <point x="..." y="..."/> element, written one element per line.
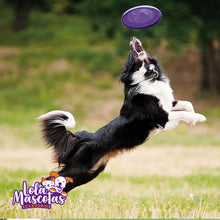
<point x="139" y="66"/>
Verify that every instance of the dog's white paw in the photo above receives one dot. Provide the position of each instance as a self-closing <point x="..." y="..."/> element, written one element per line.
<point x="189" y="107"/>
<point x="197" y="118"/>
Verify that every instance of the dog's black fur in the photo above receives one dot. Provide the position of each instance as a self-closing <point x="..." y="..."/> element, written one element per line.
<point x="83" y="155"/>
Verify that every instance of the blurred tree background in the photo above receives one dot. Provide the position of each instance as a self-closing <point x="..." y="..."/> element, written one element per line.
<point x="183" y="22"/>
<point x="51" y="49"/>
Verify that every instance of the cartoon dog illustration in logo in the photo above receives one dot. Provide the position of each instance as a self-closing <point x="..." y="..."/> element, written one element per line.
<point x="57" y="183"/>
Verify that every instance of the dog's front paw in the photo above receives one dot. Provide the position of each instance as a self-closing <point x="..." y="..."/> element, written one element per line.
<point x="197" y="118"/>
<point x="189" y="106"/>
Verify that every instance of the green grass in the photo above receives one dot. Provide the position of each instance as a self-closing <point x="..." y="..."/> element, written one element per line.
<point x="186" y="136"/>
<point x="194" y="196"/>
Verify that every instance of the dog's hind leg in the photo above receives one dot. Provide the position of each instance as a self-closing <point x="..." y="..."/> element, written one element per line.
<point x="80" y="178"/>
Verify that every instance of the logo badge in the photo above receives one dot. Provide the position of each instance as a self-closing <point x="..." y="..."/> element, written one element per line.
<point x="44" y="194"/>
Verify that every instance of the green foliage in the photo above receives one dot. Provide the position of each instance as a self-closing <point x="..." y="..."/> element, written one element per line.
<point x="182" y="22"/>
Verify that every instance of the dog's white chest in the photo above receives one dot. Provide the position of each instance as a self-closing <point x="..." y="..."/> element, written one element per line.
<point x="159" y="89"/>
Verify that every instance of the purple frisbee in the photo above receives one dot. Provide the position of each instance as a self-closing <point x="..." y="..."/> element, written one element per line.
<point x="140" y="17"/>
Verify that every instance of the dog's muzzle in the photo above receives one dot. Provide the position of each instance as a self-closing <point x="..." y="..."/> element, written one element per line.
<point x="138" y="51"/>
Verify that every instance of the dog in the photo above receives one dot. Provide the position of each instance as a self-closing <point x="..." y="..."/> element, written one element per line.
<point x="149" y="107"/>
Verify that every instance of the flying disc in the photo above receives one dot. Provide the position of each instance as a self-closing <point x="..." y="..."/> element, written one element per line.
<point x="140" y="17"/>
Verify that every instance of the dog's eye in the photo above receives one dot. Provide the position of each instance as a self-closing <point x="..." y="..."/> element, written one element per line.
<point x="151" y="67"/>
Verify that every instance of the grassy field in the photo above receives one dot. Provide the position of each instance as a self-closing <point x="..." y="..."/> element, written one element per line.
<point x="151" y="182"/>
<point x="57" y="65"/>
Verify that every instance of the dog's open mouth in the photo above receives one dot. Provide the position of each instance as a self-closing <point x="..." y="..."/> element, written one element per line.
<point x="137" y="49"/>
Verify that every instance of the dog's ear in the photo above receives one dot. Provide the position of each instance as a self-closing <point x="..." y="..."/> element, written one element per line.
<point x="52" y="180"/>
<point x="55" y="174"/>
<point x="125" y="77"/>
<point x="42" y="180"/>
<point x="69" y="179"/>
<point x="126" y="69"/>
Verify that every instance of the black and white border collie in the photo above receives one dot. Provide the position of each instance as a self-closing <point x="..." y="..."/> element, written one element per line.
<point x="149" y="107"/>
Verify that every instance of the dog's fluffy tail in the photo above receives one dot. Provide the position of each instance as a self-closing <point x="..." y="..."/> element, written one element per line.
<point x="54" y="132"/>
